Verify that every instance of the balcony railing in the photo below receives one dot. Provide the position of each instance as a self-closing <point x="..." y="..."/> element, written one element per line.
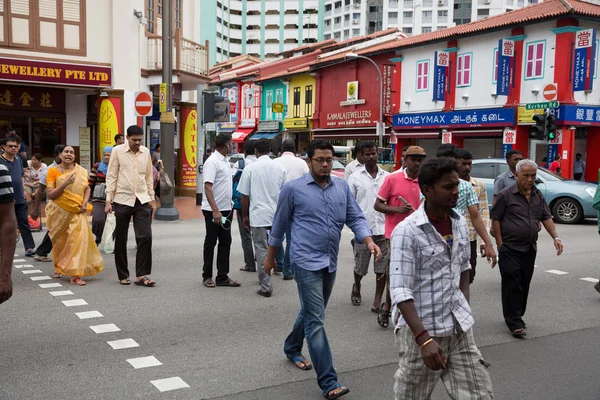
<point x="188" y="56"/>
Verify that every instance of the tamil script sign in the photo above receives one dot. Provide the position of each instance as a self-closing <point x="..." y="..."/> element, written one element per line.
<point x="440" y="75"/>
<point x="456" y="119"/>
<point x="54" y="73"/>
<point x="387" y="71"/>
<point x="350" y="118"/>
<point x="584" y="63"/>
<point x="506" y="53"/>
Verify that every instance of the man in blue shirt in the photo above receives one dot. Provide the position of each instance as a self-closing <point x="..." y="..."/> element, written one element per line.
<point x="11" y="160"/>
<point x="316" y="206"/>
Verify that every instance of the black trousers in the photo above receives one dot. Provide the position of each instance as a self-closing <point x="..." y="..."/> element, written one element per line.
<point x="516" y="269"/>
<point x="142" y="225"/>
<point x="45" y="248"/>
<point x="216" y="233"/>
<point x="473" y="260"/>
<point x="577" y="176"/>
<point x="22" y="211"/>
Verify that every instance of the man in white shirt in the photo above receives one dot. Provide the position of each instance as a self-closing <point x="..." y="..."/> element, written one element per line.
<point x="249" y="156"/>
<point x="356" y="164"/>
<point x="217" y="208"/>
<point x="295" y="168"/>
<point x="364" y="186"/>
<point x="260" y="186"/>
<point x="578" y="167"/>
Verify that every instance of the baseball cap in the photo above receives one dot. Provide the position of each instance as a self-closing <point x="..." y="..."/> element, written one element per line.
<point x="415" y="151"/>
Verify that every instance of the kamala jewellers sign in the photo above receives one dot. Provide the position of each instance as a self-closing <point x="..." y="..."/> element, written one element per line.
<point x="350" y="118"/>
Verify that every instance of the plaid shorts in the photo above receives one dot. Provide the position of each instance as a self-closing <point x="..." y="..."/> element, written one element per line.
<point x="466" y="376"/>
<point x="362" y="257"/>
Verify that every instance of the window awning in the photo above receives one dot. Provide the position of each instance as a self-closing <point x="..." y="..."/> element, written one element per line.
<point x="240" y="135"/>
<point x="264" y="135"/>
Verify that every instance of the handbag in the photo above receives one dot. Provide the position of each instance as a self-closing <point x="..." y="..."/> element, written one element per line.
<point x="165" y="183"/>
<point x="108" y="237"/>
<point x="99" y="191"/>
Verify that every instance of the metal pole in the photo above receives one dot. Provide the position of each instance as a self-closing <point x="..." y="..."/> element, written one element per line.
<point x="201" y="144"/>
<point x="167" y="210"/>
<point x="380" y="127"/>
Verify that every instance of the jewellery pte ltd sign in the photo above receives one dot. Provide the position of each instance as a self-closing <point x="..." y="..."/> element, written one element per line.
<point x="456" y="119"/>
<point x="17" y="70"/>
<point x="350" y="118"/>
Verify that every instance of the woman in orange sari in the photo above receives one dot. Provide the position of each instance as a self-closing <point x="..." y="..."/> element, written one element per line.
<point x="74" y="251"/>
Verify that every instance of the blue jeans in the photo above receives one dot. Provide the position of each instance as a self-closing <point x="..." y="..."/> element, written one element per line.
<point x="314" y="289"/>
<point x="287" y="267"/>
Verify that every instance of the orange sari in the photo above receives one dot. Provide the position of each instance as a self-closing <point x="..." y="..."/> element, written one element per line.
<point x="74" y="251"/>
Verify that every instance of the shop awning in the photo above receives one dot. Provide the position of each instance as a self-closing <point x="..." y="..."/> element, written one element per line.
<point x="241" y="134"/>
<point x="478" y="132"/>
<point x="418" y="135"/>
<point x="264" y="135"/>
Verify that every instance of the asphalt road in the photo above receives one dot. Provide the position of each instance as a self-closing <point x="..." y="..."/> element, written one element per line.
<point x="226" y="343"/>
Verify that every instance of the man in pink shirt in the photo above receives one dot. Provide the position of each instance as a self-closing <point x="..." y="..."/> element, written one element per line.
<point x="398" y="197"/>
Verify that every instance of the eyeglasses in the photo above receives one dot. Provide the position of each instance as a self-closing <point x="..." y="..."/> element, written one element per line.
<point x="322" y="160"/>
<point x="12" y="146"/>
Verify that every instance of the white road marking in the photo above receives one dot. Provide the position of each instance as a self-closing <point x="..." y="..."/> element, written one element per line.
<point x="164" y="385"/>
<point x="23" y="266"/>
<point x="74" y="302"/>
<point x="89" y="314"/>
<point x="16" y="255"/>
<point x="123" y="344"/>
<point x="556" y="272"/>
<point x="106" y="328"/>
<point x="19" y="260"/>
<point x="593" y="280"/>
<point x="535" y="266"/>
<point x="40" y="278"/>
<point x="32" y="271"/>
<point x="49" y="285"/>
<point x="144" y="362"/>
<point x="61" y="293"/>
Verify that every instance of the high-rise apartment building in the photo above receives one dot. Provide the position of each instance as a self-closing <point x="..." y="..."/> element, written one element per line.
<point x="260" y="28"/>
<point x="344" y="19"/>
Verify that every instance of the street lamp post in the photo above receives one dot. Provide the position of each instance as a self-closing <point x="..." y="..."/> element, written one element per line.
<point x="380" y="125"/>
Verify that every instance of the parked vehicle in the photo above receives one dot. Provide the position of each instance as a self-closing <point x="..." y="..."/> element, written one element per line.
<point x="569" y="201"/>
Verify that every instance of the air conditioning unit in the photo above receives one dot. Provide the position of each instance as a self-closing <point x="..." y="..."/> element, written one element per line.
<point x="356" y="5"/>
<point x="355" y="21"/>
<point x="441" y="2"/>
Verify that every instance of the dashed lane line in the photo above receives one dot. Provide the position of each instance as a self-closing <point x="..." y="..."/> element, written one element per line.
<point x="123" y="344"/>
<point x="32" y="271"/>
<point x="40" y="278"/>
<point x="23" y="266"/>
<point x="556" y="272"/>
<point x="61" y="293"/>
<point x="105" y="328"/>
<point x="19" y="260"/>
<point x="144" y="362"/>
<point x="593" y="280"/>
<point x="165" y="385"/>
<point x="75" y="302"/>
<point x="89" y="314"/>
<point x="49" y="285"/>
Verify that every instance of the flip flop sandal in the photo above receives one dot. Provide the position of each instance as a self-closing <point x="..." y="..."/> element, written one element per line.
<point x="78" y="282"/>
<point x="127" y="282"/>
<point x="383" y="317"/>
<point x="355" y="296"/>
<point x="208" y="283"/>
<point x="375" y="310"/>
<point x="519" y="333"/>
<point x="145" y="282"/>
<point x="56" y="275"/>
<point x="230" y="283"/>
<point x="338" y="394"/>
<point x="301" y="359"/>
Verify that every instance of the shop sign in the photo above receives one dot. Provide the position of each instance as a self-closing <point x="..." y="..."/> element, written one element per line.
<point x="269" y="126"/>
<point x="249" y="97"/>
<point x="387" y="72"/>
<point x="352" y="95"/>
<point x="248" y="123"/>
<point x="456" y="119"/>
<point x="109" y="122"/>
<point x="85" y="146"/>
<point x="189" y="144"/>
<point x="278" y="107"/>
<point x="440" y="75"/>
<point x="446" y="137"/>
<point x="584" y="62"/>
<point x="578" y="115"/>
<point x="31" y="98"/>
<point x="525" y="116"/>
<point x="509" y="136"/>
<point x="295" y="123"/>
<point x="17" y="70"/>
<point x="227" y="125"/>
<point x="350" y="118"/>
<point x="506" y="53"/>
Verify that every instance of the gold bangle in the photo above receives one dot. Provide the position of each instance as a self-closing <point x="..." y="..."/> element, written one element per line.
<point x="426" y="343"/>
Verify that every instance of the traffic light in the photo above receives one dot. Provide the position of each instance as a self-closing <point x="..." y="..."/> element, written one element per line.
<point x="538" y="131"/>
<point x="550" y="125"/>
<point x="216" y="108"/>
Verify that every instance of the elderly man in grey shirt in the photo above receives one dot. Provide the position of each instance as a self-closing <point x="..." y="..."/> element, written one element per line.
<point x="508" y="178"/>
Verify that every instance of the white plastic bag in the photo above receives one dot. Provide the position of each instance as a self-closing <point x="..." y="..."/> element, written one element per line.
<point x="108" y="238"/>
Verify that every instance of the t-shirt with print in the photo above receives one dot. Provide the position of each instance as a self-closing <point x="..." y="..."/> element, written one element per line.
<point x="15" y="168"/>
<point x="6" y="188"/>
<point x="395" y="188"/>
<point x="444" y="228"/>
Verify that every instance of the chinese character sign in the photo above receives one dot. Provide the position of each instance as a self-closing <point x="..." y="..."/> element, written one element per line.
<point x="506" y="55"/>
<point x="440" y="77"/>
<point x="446" y="137"/>
<point x="109" y="122"/>
<point x="189" y="141"/>
<point x="30" y="98"/>
<point x="584" y="63"/>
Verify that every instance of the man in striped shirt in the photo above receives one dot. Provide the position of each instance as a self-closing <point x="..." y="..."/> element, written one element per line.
<point x="8" y="233"/>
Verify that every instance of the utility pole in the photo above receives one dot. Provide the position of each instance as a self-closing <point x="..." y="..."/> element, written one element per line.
<point x="201" y="143"/>
<point x="167" y="210"/>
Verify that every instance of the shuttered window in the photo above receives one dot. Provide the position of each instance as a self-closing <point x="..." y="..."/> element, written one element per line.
<point x="154" y="15"/>
<point x="55" y="26"/>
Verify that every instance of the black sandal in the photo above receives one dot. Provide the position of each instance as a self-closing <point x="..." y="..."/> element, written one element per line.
<point x="355" y="296"/>
<point x="383" y="317"/>
<point x="230" y="283"/>
<point x="145" y="282"/>
<point x="125" y="282"/>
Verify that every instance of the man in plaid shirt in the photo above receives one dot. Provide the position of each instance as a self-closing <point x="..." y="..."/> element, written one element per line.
<point x="465" y="163"/>
<point x="429" y="283"/>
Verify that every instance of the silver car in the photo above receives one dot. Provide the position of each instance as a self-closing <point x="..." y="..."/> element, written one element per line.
<point x="569" y="201"/>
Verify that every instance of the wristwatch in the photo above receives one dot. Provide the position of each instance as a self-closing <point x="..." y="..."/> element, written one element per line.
<point x="557" y="238"/>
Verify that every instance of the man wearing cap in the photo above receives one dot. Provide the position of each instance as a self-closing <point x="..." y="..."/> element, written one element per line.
<point x="398" y="197"/>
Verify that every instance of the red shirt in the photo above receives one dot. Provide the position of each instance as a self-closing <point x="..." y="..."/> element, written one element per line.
<point x="396" y="186"/>
<point x="554" y="166"/>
